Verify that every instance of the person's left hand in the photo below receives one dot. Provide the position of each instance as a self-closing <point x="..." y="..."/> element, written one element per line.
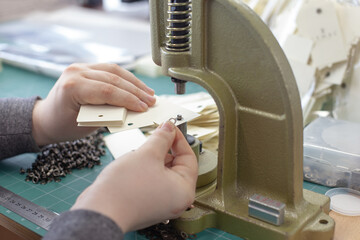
<point x="54" y="118"/>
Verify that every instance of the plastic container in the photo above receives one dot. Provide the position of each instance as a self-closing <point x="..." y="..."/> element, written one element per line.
<point x="345" y="201"/>
<point x="332" y="153"/>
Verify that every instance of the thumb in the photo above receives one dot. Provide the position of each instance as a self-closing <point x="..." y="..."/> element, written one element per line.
<point x="159" y="143"/>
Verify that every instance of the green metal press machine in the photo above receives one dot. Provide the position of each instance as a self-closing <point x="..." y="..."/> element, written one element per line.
<point x="253" y="187"/>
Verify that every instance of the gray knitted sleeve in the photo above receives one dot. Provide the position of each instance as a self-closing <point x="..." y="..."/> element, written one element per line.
<point x="16" y="126"/>
<point x="83" y="225"/>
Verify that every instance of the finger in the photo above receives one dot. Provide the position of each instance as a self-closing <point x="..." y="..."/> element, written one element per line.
<point x="168" y="159"/>
<point x="160" y="141"/>
<point x="108" y="94"/>
<point x="123" y="73"/>
<point x="120" y="83"/>
<point x="185" y="162"/>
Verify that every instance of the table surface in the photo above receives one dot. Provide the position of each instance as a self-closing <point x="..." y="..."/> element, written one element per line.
<point x="59" y="197"/>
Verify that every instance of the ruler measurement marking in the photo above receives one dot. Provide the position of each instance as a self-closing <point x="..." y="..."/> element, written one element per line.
<point x="26" y="209"/>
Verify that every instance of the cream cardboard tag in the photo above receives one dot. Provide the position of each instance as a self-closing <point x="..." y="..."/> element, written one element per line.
<point x="284" y="23"/>
<point x="322" y="89"/>
<point x="298" y="48"/>
<point x="195" y="102"/>
<point x="101" y="115"/>
<point x="349" y="18"/>
<point x="318" y="21"/>
<point x="350" y="109"/>
<point x="201" y="132"/>
<point x="304" y="75"/>
<point x="335" y="75"/>
<point x="159" y="113"/>
<point x="269" y="9"/>
<point x="124" y="142"/>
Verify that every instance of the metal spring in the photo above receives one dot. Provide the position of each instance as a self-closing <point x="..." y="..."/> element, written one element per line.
<point x="179" y="25"/>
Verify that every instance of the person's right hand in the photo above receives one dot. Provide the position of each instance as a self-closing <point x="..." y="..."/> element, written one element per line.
<point x="146" y="186"/>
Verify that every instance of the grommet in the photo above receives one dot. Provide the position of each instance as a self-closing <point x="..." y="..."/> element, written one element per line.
<point x="173" y="120"/>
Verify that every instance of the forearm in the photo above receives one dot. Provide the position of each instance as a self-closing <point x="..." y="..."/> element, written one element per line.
<point x="83" y="225"/>
<point x="16" y="126"/>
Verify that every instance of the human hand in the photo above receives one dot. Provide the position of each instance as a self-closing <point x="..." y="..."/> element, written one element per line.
<point x="54" y="118"/>
<point x="146" y="186"/>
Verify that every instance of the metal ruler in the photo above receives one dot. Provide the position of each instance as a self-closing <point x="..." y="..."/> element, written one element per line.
<point x="29" y="210"/>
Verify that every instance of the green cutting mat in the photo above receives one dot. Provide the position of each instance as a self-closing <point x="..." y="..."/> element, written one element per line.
<point x="56" y="196"/>
<point x="60" y="196"/>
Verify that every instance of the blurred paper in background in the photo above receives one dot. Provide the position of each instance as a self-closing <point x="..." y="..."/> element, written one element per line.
<point x="47" y="42"/>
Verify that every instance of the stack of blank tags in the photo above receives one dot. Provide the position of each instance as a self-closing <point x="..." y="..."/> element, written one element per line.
<point x="101" y="115"/>
<point x="321" y="39"/>
<point x="206" y="126"/>
<point x="118" y="119"/>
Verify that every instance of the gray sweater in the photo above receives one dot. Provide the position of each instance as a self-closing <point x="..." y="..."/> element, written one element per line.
<point x="16" y="138"/>
<point x="16" y="127"/>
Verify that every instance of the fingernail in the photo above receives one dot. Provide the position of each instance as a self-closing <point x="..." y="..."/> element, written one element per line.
<point x="150" y="90"/>
<point x="150" y="99"/>
<point x="143" y="106"/>
<point x="168" y="126"/>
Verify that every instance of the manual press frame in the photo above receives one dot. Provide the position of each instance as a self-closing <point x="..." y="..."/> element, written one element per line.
<point x="235" y="57"/>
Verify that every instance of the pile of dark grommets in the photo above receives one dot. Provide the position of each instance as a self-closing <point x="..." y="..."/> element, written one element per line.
<point x="163" y="231"/>
<point x="55" y="161"/>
